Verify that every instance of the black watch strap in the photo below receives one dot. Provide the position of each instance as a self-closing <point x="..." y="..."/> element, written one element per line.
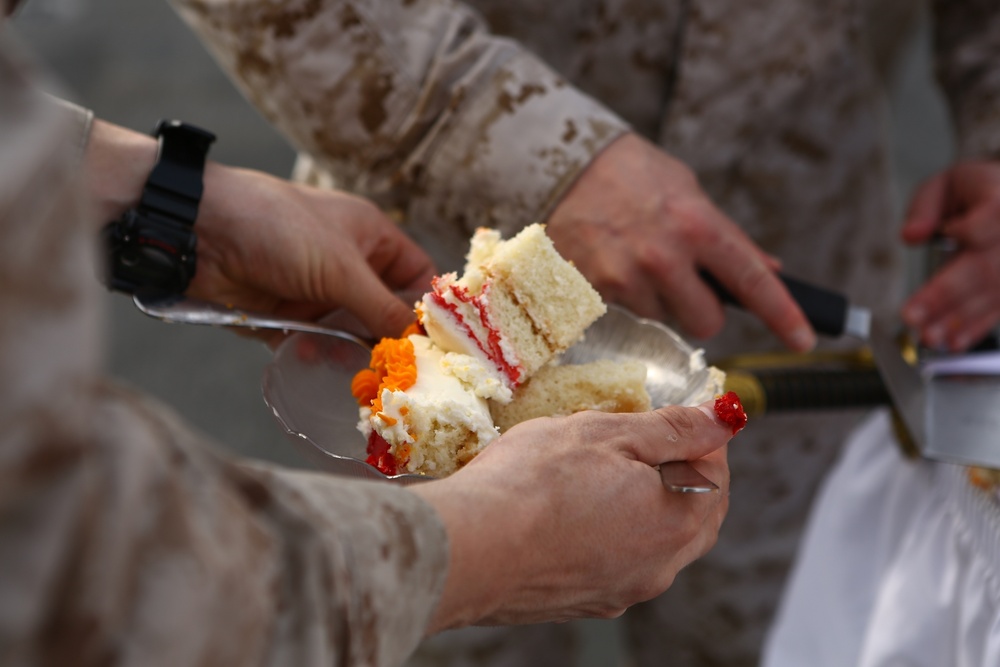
<point x="151" y="248"/>
<point x="174" y="186"/>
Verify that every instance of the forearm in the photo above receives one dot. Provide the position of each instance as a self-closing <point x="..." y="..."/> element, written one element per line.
<point x="136" y="524"/>
<point x="414" y="105"/>
<point x="116" y="164"/>
<point x="967" y="42"/>
<point x="482" y="569"/>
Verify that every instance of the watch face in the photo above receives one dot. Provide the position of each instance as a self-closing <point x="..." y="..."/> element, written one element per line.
<point x="149" y="255"/>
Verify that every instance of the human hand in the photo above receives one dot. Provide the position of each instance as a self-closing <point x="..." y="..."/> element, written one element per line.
<point x="566" y="517"/>
<point x="269" y="245"/>
<point x="639" y="227"/>
<point x="960" y="303"/>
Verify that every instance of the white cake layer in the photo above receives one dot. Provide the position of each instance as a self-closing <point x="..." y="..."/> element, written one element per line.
<point x="440" y="412"/>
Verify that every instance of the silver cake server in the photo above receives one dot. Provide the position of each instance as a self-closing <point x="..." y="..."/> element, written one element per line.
<point x="182" y="309"/>
<point x="677" y="476"/>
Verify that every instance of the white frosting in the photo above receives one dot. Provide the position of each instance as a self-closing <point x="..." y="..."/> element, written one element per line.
<point x="444" y="328"/>
<point x="482" y="380"/>
<point x="713" y="386"/>
<point x="441" y="412"/>
<point x="462" y="331"/>
<point x="697" y="361"/>
<point x="364" y="421"/>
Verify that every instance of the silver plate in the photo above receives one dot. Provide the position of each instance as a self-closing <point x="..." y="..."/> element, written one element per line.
<point x="307" y="385"/>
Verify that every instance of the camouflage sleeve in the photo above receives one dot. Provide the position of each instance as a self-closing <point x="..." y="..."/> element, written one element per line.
<point x="411" y="103"/>
<point x="967" y="42"/>
<point x="126" y="540"/>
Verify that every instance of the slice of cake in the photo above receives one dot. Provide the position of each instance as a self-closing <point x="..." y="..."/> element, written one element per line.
<point x="430" y="403"/>
<point x="422" y="409"/>
<point x="517" y="305"/>
<point x="605" y="385"/>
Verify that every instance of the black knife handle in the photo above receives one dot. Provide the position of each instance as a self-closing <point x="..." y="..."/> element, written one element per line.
<point x="789" y="390"/>
<point x="826" y="310"/>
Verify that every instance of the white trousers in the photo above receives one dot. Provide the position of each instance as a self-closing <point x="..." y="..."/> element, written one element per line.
<point x="900" y="566"/>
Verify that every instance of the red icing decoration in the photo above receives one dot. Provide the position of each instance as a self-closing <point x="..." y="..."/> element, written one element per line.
<point x="729" y="409"/>
<point x="380" y="456"/>
<point x="494" y="353"/>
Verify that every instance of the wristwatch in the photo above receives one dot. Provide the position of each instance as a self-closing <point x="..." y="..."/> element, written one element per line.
<point x="151" y="248"/>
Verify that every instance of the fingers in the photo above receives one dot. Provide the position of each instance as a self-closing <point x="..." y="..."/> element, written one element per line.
<point x="749" y="277"/>
<point x="638" y="226"/>
<point x="774" y="263"/>
<point x="717" y="244"/>
<point x="703" y="535"/>
<point x="381" y="312"/>
<point x="740" y="266"/>
<point x="375" y="258"/>
<point x="979" y="228"/>
<point x="696" y="518"/>
<point x="927" y="210"/>
<point x="583" y="493"/>
<point x="676" y="433"/>
<point x="643" y="302"/>
<point x="959" y="304"/>
<point x="400" y="262"/>
<point x="715" y="467"/>
<point x="691" y="302"/>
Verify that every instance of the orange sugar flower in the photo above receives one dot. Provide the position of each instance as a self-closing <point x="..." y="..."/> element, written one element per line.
<point x="364" y="386"/>
<point x="393" y="366"/>
<point x="414" y="328"/>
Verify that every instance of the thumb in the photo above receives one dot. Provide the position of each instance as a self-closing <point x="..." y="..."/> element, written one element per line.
<point x="675" y="433"/>
<point x="381" y="312"/>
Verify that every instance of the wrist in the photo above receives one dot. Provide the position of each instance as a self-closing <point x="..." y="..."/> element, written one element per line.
<point x="151" y="246"/>
<point x="486" y="566"/>
<point x="117" y="163"/>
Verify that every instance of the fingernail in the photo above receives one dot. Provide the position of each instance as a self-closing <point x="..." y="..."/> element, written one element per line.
<point x="708" y="407"/>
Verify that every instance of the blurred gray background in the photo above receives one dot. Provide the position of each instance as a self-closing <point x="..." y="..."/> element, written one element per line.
<point x="134" y="62"/>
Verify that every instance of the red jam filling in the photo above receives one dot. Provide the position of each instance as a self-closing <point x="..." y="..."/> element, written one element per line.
<point x="380" y="456"/>
<point x="729" y="409"/>
<point x="490" y="347"/>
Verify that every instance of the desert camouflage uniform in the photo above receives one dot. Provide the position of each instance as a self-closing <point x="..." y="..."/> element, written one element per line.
<point x="422" y="106"/>
<point x="125" y="539"/>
